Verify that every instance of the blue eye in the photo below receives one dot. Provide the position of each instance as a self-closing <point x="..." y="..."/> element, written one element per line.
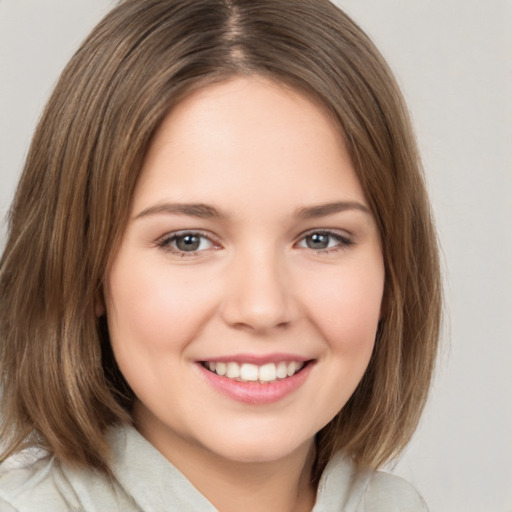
<point x="186" y="242"/>
<point x="324" y="241"/>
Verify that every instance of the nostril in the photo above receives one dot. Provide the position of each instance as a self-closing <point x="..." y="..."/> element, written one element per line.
<point x="259" y="327"/>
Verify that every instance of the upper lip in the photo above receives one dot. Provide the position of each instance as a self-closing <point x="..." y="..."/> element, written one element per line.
<point x="257" y="359"/>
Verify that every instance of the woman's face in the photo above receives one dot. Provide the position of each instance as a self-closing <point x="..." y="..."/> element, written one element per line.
<point x="244" y="299"/>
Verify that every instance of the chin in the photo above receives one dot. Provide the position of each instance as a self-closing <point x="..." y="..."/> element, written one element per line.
<point x="258" y="449"/>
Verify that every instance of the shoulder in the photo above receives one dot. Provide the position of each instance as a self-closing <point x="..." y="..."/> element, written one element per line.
<point x="344" y="486"/>
<point x="27" y="482"/>
<point x="44" y="484"/>
<point x="390" y="493"/>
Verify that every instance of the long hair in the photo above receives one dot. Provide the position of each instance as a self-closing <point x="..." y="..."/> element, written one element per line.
<point x="60" y="384"/>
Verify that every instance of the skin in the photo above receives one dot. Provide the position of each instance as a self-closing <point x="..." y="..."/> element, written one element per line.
<point x="264" y="156"/>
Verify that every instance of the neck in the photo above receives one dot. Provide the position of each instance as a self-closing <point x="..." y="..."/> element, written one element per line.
<point x="283" y="486"/>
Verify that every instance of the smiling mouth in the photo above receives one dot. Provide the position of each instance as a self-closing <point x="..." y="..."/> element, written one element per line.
<point x="248" y="372"/>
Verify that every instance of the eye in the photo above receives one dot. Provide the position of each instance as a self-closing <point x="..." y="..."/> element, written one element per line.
<point x="186" y="242"/>
<point x="324" y="241"/>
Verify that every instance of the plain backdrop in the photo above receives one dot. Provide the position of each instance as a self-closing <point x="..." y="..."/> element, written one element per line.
<point x="453" y="59"/>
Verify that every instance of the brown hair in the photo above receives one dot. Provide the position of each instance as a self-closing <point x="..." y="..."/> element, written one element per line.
<point x="61" y="386"/>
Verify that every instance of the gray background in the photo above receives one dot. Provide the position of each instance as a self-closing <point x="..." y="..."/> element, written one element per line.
<point x="453" y="60"/>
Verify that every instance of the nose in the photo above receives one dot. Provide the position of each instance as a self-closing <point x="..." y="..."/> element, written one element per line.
<point x="260" y="295"/>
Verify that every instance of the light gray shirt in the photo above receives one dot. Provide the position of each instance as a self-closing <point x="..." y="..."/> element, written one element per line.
<point x="145" y="481"/>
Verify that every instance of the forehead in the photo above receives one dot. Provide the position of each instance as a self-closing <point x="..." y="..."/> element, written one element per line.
<point x="243" y="136"/>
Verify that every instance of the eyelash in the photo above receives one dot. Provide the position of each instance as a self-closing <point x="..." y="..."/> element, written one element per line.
<point x="343" y="242"/>
<point x="166" y="242"/>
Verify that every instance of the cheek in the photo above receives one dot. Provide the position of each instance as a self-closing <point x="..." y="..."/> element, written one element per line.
<point x="347" y="305"/>
<point x="153" y="308"/>
<point x="346" y="311"/>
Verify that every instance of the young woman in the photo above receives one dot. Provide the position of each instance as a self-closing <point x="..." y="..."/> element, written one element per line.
<point x="220" y="288"/>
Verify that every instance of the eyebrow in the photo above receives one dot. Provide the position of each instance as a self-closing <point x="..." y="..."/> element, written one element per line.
<point x="199" y="210"/>
<point x="323" y="210"/>
<point x="205" y="211"/>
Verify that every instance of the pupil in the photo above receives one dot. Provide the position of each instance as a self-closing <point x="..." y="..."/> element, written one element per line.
<point x="188" y="243"/>
<point x="318" y="241"/>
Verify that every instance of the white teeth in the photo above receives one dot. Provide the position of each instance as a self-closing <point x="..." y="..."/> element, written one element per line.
<point x="268" y="372"/>
<point x="292" y="368"/>
<point x="250" y="372"/>
<point x="233" y="371"/>
<point x="221" y="369"/>
<point x="282" y="370"/>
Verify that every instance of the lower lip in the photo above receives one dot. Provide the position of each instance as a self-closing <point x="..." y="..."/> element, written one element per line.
<point x="256" y="393"/>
